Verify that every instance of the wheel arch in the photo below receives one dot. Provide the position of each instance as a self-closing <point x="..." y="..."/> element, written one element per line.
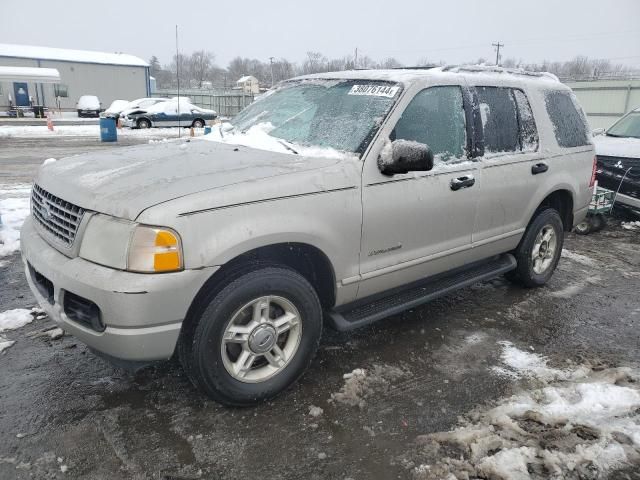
<point x="562" y="201"/>
<point x="309" y="261"/>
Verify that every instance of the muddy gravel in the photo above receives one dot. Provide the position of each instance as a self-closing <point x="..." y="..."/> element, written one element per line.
<point x="370" y="406"/>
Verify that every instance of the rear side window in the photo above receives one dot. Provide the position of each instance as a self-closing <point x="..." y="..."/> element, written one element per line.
<point x="435" y="117"/>
<point x="526" y="122"/>
<point x="499" y="119"/>
<point x="568" y="121"/>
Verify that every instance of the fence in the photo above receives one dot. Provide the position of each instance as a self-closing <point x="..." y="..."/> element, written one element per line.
<point x="226" y="104"/>
<point x="605" y="101"/>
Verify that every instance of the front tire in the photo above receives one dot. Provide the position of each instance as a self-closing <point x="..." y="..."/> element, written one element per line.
<point x="143" y="123"/>
<point x="539" y="250"/>
<point x="255" y="337"/>
<point x="198" y="123"/>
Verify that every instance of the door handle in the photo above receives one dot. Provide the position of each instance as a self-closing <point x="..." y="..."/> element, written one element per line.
<point x="462" y="182"/>
<point x="539" y="168"/>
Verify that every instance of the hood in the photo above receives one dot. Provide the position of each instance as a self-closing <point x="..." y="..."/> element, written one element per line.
<point x="617" y="146"/>
<point x="125" y="181"/>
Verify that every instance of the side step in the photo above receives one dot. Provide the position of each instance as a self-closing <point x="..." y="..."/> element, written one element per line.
<point x="368" y="310"/>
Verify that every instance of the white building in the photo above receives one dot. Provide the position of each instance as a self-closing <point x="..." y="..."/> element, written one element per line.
<point x="109" y="76"/>
<point x="248" y="84"/>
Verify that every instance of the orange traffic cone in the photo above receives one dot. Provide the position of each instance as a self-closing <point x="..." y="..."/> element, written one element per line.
<point x="49" y="123"/>
<point x="192" y="132"/>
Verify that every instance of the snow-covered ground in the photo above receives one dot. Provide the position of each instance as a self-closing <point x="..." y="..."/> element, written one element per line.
<point x="41" y="131"/>
<point x="580" y="421"/>
<point x="14" y="208"/>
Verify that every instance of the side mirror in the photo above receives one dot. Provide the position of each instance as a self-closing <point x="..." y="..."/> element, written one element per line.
<point x="404" y="156"/>
<point x="597" y="131"/>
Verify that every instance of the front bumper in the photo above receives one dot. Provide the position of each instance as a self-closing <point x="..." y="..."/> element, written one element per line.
<point x="142" y="313"/>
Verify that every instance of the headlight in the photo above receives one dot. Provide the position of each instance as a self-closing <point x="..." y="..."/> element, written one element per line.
<point x="154" y="249"/>
<point x="126" y="245"/>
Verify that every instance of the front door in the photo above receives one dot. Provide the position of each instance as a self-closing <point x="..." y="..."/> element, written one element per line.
<point x="420" y="224"/>
<point x="21" y="92"/>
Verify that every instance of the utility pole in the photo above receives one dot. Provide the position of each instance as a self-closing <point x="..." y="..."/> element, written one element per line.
<point x="271" y="64"/>
<point x="178" y="79"/>
<point x="498" y="45"/>
<point x="355" y="59"/>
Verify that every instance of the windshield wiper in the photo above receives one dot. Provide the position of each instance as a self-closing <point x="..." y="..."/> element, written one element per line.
<point x="286" y="145"/>
<point x="614" y="135"/>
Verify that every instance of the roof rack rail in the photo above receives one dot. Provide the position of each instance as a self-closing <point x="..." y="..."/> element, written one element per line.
<point x="496" y="69"/>
<point x="420" y="67"/>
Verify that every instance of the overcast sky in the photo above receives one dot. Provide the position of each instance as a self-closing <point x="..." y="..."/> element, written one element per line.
<point x="450" y="30"/>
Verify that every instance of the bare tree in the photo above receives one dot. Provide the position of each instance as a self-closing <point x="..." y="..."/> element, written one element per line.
<point x="200" y="66"/>
<point x="314" y="63"/>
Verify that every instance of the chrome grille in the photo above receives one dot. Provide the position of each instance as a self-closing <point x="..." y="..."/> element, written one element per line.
<point x="58" y="217"/>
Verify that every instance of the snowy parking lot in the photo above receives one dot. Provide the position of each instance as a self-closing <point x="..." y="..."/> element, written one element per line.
<point x="493" y="381"/>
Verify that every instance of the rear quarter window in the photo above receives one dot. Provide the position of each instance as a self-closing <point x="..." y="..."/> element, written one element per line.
<point x="569" y="123"/>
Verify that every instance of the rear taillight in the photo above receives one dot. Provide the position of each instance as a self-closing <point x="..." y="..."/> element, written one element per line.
<point x="592" y="182"/>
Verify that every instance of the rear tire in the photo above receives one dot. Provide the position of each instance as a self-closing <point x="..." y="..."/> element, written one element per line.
<point x="584" y="227"/>
<point x="539" y="250"/>
<point x="255" y="337"/>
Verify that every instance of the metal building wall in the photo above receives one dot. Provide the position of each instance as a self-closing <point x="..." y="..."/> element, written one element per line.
<point x="605" y="101"/>
<point x="107" y="82"/>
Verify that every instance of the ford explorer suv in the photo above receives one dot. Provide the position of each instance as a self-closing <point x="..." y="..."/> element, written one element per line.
<point x="336" y="199"/>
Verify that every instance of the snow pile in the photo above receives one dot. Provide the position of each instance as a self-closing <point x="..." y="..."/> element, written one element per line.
<point x="14" y="208"/>
<point x="577" y="423"/>
<point x="258" y="137"/>
<point x="5" y="343"/>
<point x="41" y="131"/>
<point x="315" y="411"/>
<point x="361" y="384"/>
<point x="16" y="318"/>
<point x="631" y="225"/>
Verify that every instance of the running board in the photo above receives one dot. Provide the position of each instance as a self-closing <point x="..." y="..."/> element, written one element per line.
<point x="366" y="311"/>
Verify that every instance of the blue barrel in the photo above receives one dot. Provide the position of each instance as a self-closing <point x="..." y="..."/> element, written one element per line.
<point x="207" y="130"/>
<point x="108" y="132"/>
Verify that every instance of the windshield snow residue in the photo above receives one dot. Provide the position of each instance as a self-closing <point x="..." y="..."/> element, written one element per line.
<point x="336" y="115"/>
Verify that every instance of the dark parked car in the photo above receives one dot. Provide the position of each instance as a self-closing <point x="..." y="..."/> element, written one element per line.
<point x="167" y="114"/>
<point x="618" y="152"/>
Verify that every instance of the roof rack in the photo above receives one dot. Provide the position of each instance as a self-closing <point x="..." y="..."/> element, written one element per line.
<point x="496" y="69"/>
<point x="420" y="67"/>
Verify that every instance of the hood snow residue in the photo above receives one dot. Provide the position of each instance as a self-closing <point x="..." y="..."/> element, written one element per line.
<point x="577" y="422"/>
<point x="126" y="181"/>
<point x="617" y="146"/>
<point x="258" y="137"/>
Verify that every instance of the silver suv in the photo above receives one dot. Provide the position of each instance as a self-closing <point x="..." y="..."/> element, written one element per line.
<point x="339" y="198"/>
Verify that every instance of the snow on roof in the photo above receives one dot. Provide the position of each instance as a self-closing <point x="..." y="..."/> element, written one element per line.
<point x="407" y="76"/>
<point x="80" y="56"/>
<point x="246" y="78"/>
<point x="29" y="74"/>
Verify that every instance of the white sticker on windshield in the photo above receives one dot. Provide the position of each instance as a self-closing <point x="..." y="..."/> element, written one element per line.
<point x="374" y="90"/>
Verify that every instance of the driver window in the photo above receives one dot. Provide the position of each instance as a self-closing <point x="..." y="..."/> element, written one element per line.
<point x="435" y="117"/>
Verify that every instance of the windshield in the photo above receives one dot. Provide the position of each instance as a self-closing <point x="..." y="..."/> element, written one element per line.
<point x="628" y="126"/>
<point x="342" y="115"/>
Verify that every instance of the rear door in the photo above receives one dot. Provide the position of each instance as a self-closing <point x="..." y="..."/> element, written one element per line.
<point x="511" y="164"/>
